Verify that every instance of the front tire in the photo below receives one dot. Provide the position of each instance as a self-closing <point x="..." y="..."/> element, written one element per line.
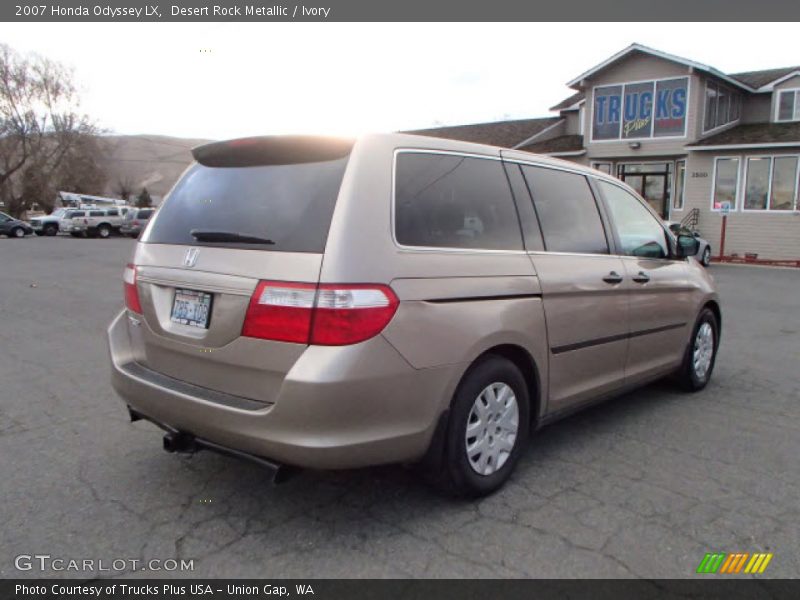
<point x="706" y="259"/>
<point x="487" y="429"/>
<point x="701" y="353"/>
<point x="50" y="230"/>
<point x="18" y="232"/>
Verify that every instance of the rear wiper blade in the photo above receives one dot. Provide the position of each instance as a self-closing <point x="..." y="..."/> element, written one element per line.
<point x="202" y="235"/>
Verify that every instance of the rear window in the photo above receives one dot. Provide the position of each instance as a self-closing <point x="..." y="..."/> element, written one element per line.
<point x="144" y="214"/>
<point x="449" y="201"/>
<point x="289" y="204"/>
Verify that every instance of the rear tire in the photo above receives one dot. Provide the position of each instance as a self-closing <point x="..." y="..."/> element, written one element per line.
<point x="701" y="353"/>
<point x="487" y="429"/>
<point x="103" y="231"/>
<point x="18" y="232"/>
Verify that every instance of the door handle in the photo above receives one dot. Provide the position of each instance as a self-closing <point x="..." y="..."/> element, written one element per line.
<point x="642" y="277"/>
<point x="613" y="277"/>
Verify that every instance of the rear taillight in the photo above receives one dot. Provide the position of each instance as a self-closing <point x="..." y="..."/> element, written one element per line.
<point x="326" y="315"/>
<point x="131" y="291"/>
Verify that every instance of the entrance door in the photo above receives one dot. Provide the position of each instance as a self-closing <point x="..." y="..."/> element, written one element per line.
<point x="653" y="182"/>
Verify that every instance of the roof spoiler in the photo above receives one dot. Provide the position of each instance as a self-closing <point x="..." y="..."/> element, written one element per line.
<point x="272" y="150"/>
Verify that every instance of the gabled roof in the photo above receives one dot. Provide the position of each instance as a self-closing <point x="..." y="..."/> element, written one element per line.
<point x="753" y="135"/>
<point x="561" y="145"/>
<point x="657" y="53"/>
<point x="760" y="79"/>
<point x="568" y="103"/>
<point x="506" y="134"/>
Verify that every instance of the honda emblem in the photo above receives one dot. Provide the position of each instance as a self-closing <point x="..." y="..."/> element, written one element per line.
<point x="190" y="258"/>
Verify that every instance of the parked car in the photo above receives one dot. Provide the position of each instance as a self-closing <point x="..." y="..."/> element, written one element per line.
<point x="398" y="299"/>
<point x="71" y="218"/>
<point x="99" y="222"/>
<point x="48" y="224"/>
<point x="135" y="221"/>
<point x="13" y="227"/>
<point x="703" y="254"/>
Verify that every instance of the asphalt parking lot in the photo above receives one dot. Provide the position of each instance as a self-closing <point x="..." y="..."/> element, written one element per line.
<point x="642" y="486"/>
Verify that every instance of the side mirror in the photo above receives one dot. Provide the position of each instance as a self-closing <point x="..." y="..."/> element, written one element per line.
<point x="687" y="246"/>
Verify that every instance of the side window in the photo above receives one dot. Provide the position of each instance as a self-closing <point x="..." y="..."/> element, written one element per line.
<point x="567" y="211"/>
<point x="112" y="213"/>
<point x="639" y="231"/>
<point x="448" y="201"/>
<point x="96" y="213"/>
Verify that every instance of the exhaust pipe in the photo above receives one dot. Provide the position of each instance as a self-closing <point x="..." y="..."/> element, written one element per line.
<point x="175" y="441"/>
<point x="186" y="443"/>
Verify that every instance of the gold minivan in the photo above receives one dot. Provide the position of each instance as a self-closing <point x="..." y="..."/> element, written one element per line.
<point x="327" y="303"/>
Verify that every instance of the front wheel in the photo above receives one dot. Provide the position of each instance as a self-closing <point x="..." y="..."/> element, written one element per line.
<point x="487" y="428"/>
<point x="701" y="353"/>
<point x="50" y="230"/>
<point x="706" y="259"/>
<point x="18" y="232"/>
<point x="104" y="231"/>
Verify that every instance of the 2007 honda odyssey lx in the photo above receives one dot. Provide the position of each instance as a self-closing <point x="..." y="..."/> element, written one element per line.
<point x="332" y="304"/>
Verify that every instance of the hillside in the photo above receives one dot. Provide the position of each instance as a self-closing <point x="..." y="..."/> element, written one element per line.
<point x="152" y="161"/>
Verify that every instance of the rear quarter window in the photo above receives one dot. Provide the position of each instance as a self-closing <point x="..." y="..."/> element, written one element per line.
<point x="290" y="204"/>
<point x="451" y="201"/>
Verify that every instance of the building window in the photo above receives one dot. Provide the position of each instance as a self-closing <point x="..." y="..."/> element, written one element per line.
<point x="723" y="106"/>
<point x="789" y="105"/>
<point x="772" y="183"/>
<point x="726" y="182"/>
<point x="680" y="178"/>
<point x="603" y="167"/>
<point x="757" y="187"/>
<point x="783" y="190"/>
<point x="647" y="109"/>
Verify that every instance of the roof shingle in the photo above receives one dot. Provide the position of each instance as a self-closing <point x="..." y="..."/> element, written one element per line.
<point x="562" y="143"/>
<point x="506" y="134"/>
<point x="755" y="79"/>
<point x="567" y="102"/>
<point x="754" y="133"/>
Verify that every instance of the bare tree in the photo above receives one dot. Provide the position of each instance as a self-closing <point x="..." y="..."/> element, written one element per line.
<point x="40" y="128"/>
<point x="124" y="187"/>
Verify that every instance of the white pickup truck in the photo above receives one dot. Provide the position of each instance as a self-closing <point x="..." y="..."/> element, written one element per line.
<point x="99" y="222"/>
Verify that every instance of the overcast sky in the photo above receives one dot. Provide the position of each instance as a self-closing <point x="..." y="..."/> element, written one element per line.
<point x="210" y="80"/>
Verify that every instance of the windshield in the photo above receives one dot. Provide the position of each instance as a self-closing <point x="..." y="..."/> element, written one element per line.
<point x="288" y="206"/>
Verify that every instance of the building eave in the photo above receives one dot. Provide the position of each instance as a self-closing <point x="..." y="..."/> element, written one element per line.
<point x="746" y="146"/>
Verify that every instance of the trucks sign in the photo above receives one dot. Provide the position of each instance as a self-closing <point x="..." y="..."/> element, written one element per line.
<point x="645" y="109"/>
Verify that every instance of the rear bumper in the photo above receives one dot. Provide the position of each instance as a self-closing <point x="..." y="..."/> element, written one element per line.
<point x="338" y="407"/>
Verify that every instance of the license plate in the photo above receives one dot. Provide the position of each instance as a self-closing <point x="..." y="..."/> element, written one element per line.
<point x="191" y="308"/>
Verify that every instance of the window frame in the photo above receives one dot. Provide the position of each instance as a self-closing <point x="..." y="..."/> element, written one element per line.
<point x="737" y="191"/>
<point x="447" y="249"/>
<point x="795" y="105"/>
<point x="768" y="209"/>
<point x="669" y="238"/>
<point x="734" y="99"/>
<point x="679" y="189"/>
